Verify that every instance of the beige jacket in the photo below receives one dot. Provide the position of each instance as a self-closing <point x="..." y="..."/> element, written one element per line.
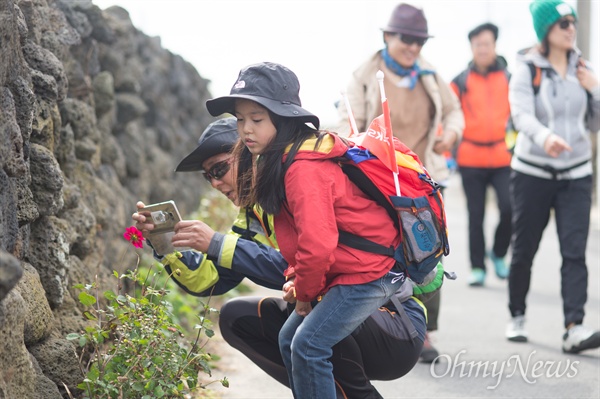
<point x="365" y="101"/>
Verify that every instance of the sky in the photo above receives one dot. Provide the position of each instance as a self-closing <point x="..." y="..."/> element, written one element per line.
<point x="323" y="41"/>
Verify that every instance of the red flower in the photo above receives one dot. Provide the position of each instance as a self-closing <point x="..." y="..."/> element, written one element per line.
<point x="134" y="236"/>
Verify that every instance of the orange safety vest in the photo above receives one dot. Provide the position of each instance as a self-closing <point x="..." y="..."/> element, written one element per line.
<point x="484" y="102"/>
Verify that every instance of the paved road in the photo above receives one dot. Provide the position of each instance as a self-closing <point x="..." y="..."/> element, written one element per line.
<point x="476" y="360"/>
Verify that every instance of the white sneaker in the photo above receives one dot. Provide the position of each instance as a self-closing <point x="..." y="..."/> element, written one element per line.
<point x="515" y="331"/>
<point x="579" y="338"/>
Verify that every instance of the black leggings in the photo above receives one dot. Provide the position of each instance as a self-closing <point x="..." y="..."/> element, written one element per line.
<point x="379" y="349"/>
<point x="533" y="200"/>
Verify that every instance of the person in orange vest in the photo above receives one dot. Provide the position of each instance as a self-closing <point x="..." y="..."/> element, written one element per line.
<point x="482" y="156"/>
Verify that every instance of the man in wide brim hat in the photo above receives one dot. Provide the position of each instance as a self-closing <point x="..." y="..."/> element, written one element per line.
<point x="421" y="105"/>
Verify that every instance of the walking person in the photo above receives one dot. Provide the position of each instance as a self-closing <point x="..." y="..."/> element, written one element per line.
<point x="555" y="102"/>
<point x="425" y="113"/>
<point x="482" y="156"/>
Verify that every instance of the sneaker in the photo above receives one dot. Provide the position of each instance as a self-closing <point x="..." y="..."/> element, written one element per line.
<point x="515" y="331"/>
<point x="429" y="353"/>
<point x="477" y="277"/>
<point x="499" y="265"/>
<point x="579" y="338"/>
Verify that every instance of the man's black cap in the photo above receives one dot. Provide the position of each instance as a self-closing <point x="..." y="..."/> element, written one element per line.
<point x="218" y="137"/>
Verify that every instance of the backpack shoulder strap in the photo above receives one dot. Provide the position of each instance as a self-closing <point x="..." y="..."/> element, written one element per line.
<point x="461" y="82"/>
<point x="367" y="186"/>
<point x="362" y="181"/>
<point x="536" y="77"/>
<point x="589" y="111"/>
<point x="408" y="324"/>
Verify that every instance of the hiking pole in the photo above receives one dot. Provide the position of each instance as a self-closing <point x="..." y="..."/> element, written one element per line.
<point x="353" y="128"/>
<point x="388" y="130"/>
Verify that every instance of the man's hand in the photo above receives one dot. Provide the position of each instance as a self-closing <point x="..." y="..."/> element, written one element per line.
<point x="445" y="142"/>
<point x="193" y="234"/>
<point x="554" y="145"/>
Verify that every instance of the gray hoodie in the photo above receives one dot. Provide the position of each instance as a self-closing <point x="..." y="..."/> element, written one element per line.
<point x="559" y="108"/>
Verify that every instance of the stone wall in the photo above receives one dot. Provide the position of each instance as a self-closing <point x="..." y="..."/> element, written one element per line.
<point x="94" y="115"/>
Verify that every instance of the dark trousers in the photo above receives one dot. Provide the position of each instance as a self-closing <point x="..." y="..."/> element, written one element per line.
<point x="252" y="325"/>
<point x="532" y="200"/>
<point x="475" y="183"/>
<point x="433" y="302"/>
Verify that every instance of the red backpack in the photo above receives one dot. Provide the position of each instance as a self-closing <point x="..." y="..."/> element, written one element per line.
<point x="418" y="213"/>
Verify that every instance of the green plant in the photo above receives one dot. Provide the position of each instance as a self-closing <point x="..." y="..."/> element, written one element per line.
<point x="216" y="210"/>
<point x="134" y="349"/>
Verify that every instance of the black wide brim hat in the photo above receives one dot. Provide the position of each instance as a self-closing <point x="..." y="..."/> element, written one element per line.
<point x="219" y="137"/>
<point x="273" y="86"/>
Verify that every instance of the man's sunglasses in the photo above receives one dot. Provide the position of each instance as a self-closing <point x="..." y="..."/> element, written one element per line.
<point x="408" y="39"/>
<point x="217" y="171"/>
<point x="565" y="23"/>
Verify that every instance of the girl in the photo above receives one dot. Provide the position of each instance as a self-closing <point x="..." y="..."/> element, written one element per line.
<point x="552" y="166"/>
<point x="286" y="168"/>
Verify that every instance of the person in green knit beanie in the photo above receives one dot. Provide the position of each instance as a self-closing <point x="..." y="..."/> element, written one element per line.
<point x="545" y="13"/>
<point x="555" y="101"/>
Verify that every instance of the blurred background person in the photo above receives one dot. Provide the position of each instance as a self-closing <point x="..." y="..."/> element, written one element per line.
<point x="425" y="113"/>
<point x="555" y="102"/>
<point x="482" y="156"/>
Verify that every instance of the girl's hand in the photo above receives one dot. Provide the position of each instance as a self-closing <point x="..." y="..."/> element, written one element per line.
<point x="554" y="145"/>
<point x="586" y="78"/>
<point x="193" y="234"/>
<point x="303" y="308"/>
<point x="289" y="294"/>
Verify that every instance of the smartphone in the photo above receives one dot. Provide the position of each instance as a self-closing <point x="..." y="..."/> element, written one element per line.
<point x="164" y="216"/>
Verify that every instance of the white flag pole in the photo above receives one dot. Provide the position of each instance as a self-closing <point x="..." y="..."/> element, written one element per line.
<point x="350" y="114"/>
<point x="387" y="117"/>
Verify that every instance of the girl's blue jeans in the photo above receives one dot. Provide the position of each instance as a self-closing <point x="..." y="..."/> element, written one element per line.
<point x="306" y="342"/>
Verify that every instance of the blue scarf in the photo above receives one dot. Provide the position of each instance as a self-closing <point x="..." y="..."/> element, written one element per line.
<point x="413" y="73"/>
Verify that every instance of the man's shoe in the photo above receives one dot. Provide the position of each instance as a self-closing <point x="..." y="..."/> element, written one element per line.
<point x="515" y="331"/>
<point x="429" y="353"/>
<point x="477" y="277"/>
<point x="499" y="265"/>
<point x="579" y="338"/>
